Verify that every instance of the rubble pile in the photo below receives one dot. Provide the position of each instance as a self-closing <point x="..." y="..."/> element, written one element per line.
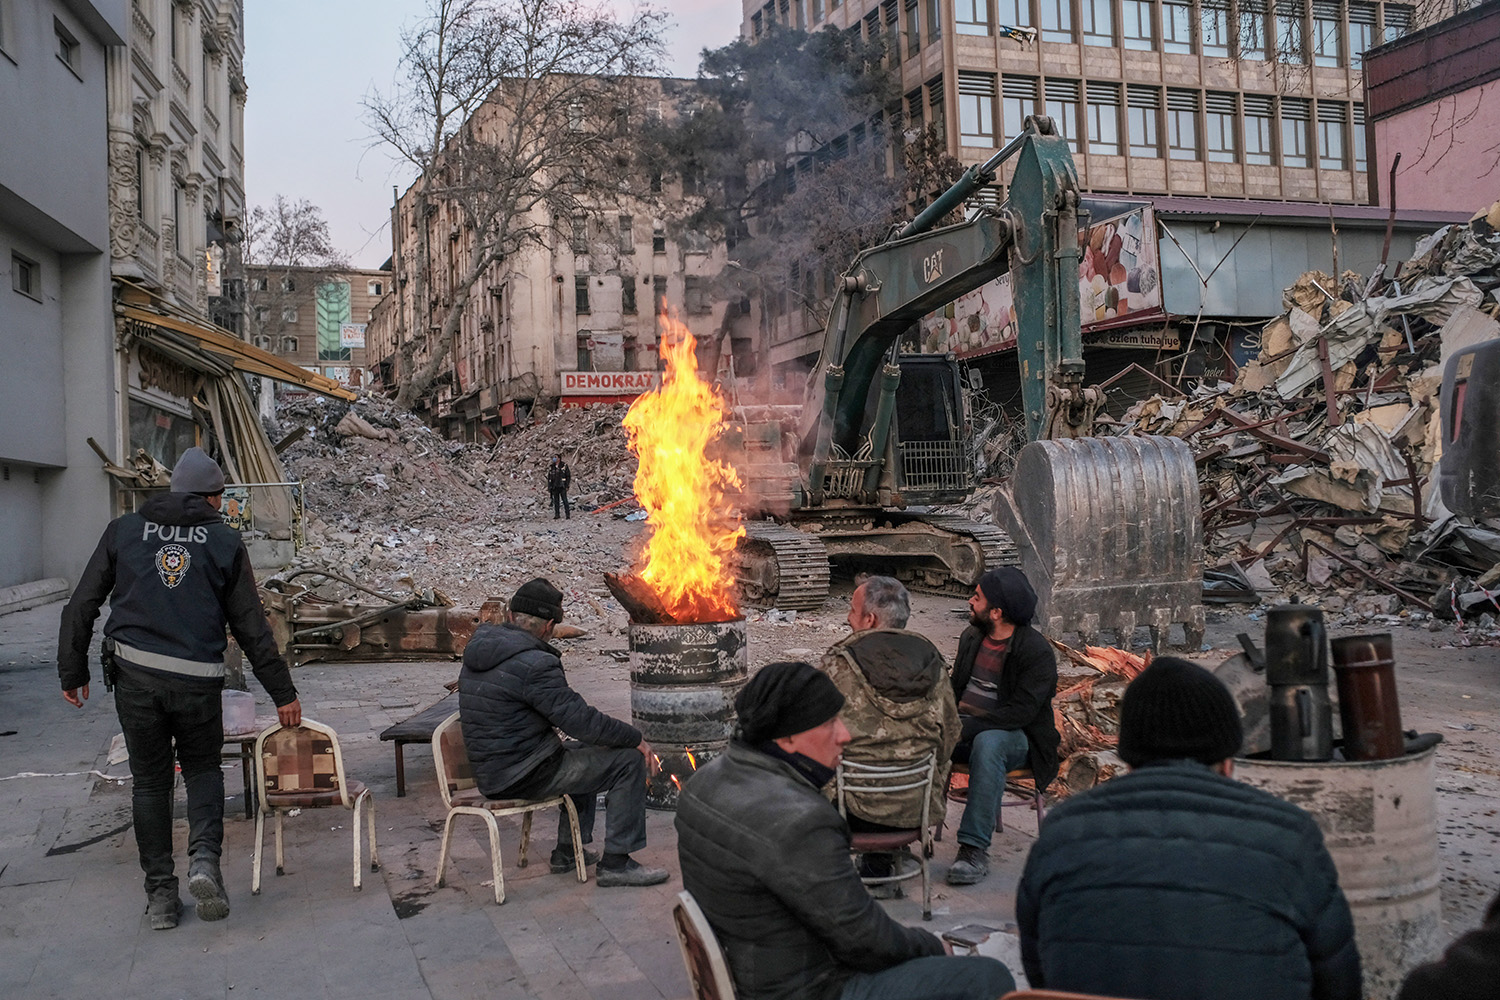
<point x="393" y="505"/>
<point x="1086" y="710"/>
<point x="1317" y="464"/>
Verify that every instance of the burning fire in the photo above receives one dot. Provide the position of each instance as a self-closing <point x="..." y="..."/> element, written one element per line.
<point x="686" y="559"/>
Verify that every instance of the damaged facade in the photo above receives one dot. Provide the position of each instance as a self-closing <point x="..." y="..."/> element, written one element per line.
<point x="569" y="323"/>
<point x="315" y="318"/>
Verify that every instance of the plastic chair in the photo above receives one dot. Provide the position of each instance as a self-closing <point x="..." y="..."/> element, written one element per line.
<point x="893" y="779"/>
<point x="301" y="767"/>
<point x="462" y="798"/>
<point x="1028" y="795"/>
<point x="706" y="967"/>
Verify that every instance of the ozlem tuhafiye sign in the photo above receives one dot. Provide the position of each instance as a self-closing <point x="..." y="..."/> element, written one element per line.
<point x="627" y="384"/>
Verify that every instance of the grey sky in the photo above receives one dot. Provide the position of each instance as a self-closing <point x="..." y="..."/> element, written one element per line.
<point x="309" y="63"/>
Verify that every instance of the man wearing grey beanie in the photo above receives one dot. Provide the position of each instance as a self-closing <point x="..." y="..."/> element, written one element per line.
<point x="1176" y="882"/>
<point x="174" y="575"/>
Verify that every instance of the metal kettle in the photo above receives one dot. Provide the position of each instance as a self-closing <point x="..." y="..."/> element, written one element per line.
<point x="1297" y="672"/>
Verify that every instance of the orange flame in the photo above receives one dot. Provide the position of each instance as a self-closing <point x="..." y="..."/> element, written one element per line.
<point x="686" y="559"/>
<point x="691" y="759"/>
<point x="677" y="782"/>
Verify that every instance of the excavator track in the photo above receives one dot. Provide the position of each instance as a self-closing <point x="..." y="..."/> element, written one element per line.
<point x="782" y="567"/>
<point x="996" y="545"/>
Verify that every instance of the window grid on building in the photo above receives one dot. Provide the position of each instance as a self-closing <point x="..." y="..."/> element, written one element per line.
<point x="1214" y="22"/>
<point x="1062" y="108"/>
<point x="1361" y="160"/>
<point x="1019" y="97"/>
<point x="1327" y="34"/>
<point x="1220" y="115"/>
<point x="1291" y="41"/>
<point x="971" y="17"/>
<point x="976" y="108"/>
<point x="1137" y="29"/>
<point x="1015" y="13"/>
<point x="1361" y="32"/>
<point x="913" y="28"/>
<point x="1057" y="20"/>
<point x="1177" y="28"/>
<point x="1103" y="115"/>
<point x="1182" y="124"/>
<point x="935" y="105"/>
<point x="1143" y="111"/>
<point x="1097" y="22"/>
<point x="1259" y="115"/>
<point x="1296" y="116"/>
<point x="1252" y="29"/>
<point x="1332" y="118"/>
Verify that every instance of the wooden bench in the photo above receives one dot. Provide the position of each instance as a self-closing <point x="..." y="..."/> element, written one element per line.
<point x="417" y="729"/>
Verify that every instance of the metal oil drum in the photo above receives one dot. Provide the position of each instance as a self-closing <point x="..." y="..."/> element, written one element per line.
<point x="1379" y="820"/>
<point x="683" y="682"/>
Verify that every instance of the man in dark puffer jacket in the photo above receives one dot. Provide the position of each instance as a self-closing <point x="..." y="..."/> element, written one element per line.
<point x="766" y="856"/>
<point x="1176" y="882"/>
<point x="512" y="693"/>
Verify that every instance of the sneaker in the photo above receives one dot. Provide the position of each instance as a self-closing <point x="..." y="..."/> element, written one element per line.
<point x="971" y="866"/>
<point x="163" y="908"/>
<point x="207" y="886"/>
<point x="633" y="873"/>
<point x="562" y="859"/>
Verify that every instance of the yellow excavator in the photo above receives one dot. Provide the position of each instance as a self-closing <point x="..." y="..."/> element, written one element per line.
<point x="1108" y="529"/>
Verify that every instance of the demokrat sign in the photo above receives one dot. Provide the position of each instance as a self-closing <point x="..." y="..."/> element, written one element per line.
<point x="624" y="384"/>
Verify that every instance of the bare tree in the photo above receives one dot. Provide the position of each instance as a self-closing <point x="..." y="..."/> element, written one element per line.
<point x="287" y="252"/>
<point x="512" y="112"/>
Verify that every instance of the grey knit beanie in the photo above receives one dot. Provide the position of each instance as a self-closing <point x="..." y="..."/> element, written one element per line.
<point x="195" y="472"/>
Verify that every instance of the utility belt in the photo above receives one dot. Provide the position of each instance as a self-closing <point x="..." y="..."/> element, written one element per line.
<point x="116" y="650"/>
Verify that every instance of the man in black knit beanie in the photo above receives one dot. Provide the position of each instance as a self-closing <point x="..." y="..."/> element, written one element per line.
<point x="1176" y="882"/>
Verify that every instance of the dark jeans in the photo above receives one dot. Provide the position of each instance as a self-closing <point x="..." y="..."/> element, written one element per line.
<point x="581" y="775"/>
<point x="936" y="977"/>
<point x="153" y="719"/>
<point x="992" y="754"/>
<point x="560" y="504"/>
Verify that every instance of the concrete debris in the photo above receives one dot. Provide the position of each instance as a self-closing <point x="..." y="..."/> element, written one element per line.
<point x="393" y="505"/>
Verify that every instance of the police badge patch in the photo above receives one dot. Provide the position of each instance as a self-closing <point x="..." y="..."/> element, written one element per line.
<point x="172" y="563"/>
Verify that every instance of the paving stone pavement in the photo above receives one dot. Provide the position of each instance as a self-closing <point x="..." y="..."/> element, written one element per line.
<point x="72" y="918"/>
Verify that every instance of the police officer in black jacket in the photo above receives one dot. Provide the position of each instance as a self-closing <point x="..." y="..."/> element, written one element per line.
<point x="174" y="574"/>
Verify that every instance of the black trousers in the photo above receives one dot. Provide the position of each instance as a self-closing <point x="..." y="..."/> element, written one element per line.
<point x="161" y="723"/>
<point x="581" y="774"/>
<point x="560" y="504"/>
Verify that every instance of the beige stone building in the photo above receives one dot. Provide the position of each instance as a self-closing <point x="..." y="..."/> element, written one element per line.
<point x="576" y="321"/>
<point x="314" y="318"/>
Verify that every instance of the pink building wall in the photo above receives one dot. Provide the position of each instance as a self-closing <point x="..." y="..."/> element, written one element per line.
<point x="1450" y="152"/>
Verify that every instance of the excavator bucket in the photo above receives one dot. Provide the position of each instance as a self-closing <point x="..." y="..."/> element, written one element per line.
<point x="1110" y="534"/>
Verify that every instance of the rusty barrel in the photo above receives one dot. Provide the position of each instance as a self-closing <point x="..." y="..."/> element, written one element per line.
<point x="683" y="682"/>
<point x="1379" y="820"/>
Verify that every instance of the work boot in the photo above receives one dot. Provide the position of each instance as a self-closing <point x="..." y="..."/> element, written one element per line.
<point x="631" y="873"/>
<point x="207" y="886"/>
<point x="971" y="866"/>
<point x="163" y="908"/>
<point x="563" y="857"/>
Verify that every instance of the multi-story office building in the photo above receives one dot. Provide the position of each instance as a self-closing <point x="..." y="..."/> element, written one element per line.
<point x="314" y="318"/>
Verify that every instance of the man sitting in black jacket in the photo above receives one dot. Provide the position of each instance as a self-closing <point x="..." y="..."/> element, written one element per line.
<point x="1176" y="882"/>
<point x="767" y="858"/>
<point x="1004" y="678"/>
<point x="512" y="693"/>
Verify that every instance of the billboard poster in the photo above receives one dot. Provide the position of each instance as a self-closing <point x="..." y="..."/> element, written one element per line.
<point x="1119" y="283"/>
<point x="352" y="335"/>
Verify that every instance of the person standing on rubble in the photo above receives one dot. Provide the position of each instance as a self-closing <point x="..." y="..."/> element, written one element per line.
<point x="898" y="707"/>
<point x="512" y="697"/>
<point x="1004" y="679"/>
<point x="559" y="478"/>
<point x="766" y="857"/>
<point x="1176" y="882"/>
<point x="174" y="575"/>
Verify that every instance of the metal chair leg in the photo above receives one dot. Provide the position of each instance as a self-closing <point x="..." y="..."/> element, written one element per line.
<point x="280" y="856"/>
<point x="260" y="843"/>
<point x="374" y="855"/>
<point x="578" y="860"/>
<point x="522" y="861"/>
<point x="496" y="865"/>
<point x="443" y="853"/>
<point x="358" y="829"/>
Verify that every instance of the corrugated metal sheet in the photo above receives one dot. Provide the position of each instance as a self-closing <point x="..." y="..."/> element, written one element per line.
<point x="1453" y="55"/>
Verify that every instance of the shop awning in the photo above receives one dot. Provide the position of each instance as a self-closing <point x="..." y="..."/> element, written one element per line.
<point x="225" y="347"/>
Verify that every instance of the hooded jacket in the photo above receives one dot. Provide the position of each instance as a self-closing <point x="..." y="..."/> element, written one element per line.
<point x="174" y="575"/>
<point x="1028" y="683"/>
<point x="1177" y="883"/>
<point x="898" y="705"/>
<point x="766" y="856"/>
<point x="512" y="694"/>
